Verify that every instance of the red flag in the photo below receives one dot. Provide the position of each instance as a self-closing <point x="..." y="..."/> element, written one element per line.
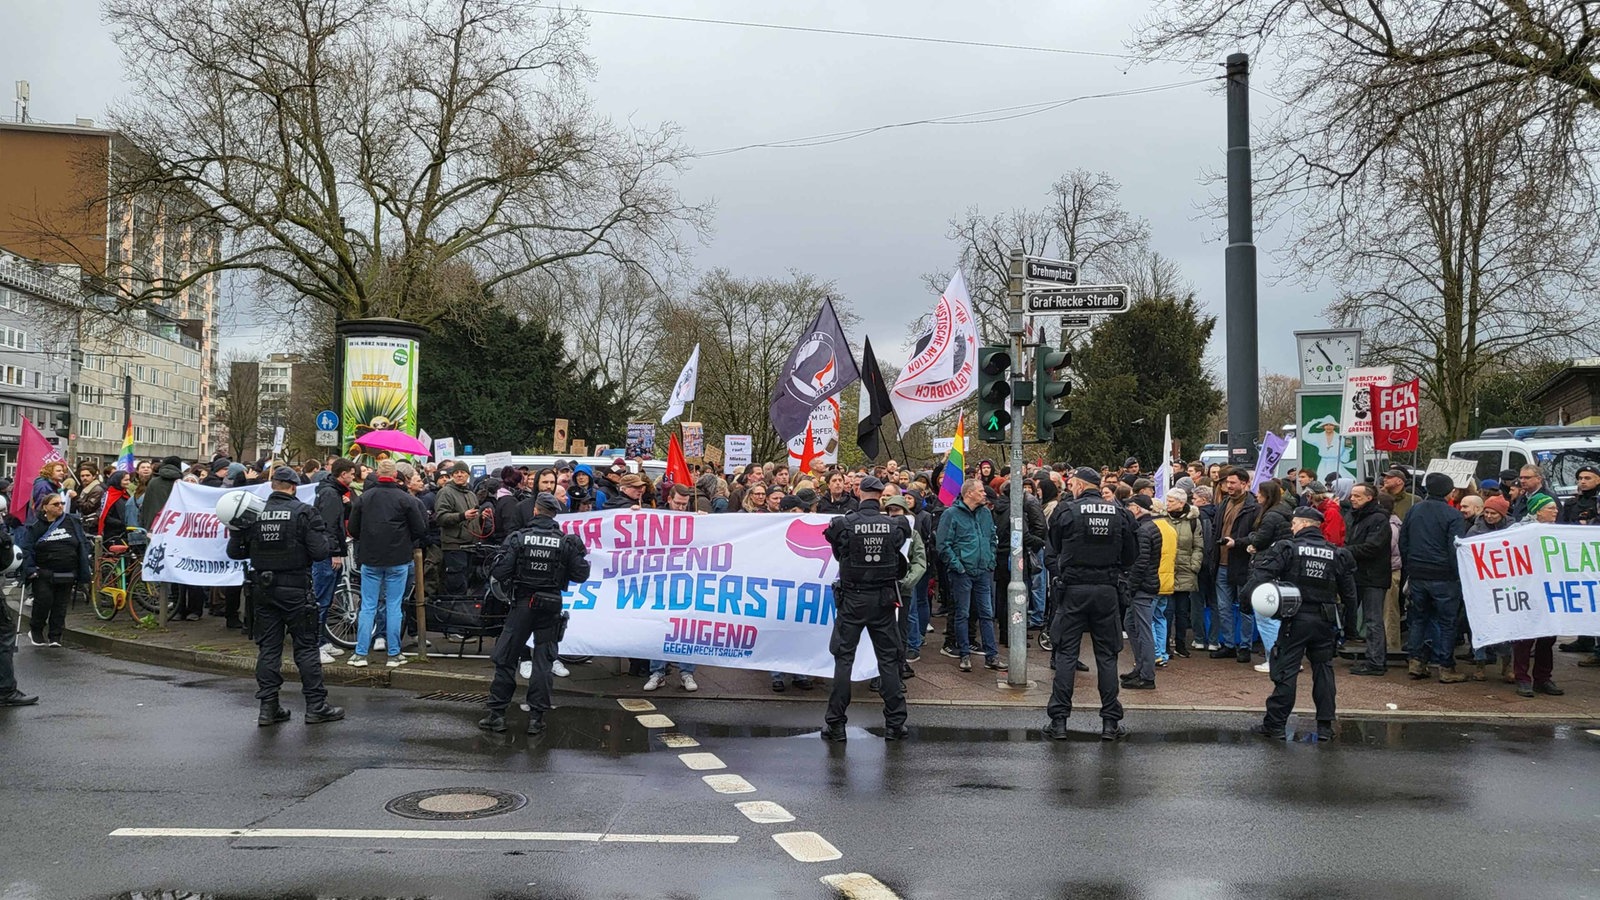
<point x="808" y="456"/>
<point x="33" y="451"/>
<point x="1395" y="416"/>
<point x="677" y="466"/>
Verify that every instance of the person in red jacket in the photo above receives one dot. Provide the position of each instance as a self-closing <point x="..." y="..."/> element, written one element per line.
<point x="1322" y="500"/>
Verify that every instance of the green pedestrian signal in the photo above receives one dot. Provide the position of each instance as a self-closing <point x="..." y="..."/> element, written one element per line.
<point x="1047" y="389"/>
<point x="994" y="389"/>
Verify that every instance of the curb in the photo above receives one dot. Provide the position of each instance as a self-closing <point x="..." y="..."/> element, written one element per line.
<point x="422" y="680"/>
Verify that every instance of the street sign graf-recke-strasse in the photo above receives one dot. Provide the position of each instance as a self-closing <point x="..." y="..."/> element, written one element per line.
<point x="1096" y="298"/>
<point x="1055" y="271"/>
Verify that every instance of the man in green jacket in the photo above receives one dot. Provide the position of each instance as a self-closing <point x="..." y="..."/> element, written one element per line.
<point x="966" y="544"/>
<point x="453" y="510"/>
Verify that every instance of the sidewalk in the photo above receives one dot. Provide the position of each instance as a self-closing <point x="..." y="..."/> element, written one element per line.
<point x="1198" y="683"/>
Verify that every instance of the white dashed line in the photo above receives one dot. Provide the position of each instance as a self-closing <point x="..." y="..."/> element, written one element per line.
<point x="636" y="705"/>
<point x="764" y="812"/>
<point x="676" y="741"/>
<point x="702" y="761"/>
<point x="418" y="835"/>
<point x="728" y="784"/>
<point x="859" y="886"/>
<point x="654" y="720"/>
<point x="807" y="846"/>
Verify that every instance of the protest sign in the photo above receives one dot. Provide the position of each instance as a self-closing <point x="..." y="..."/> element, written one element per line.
<point x="747" y="592"/>
<point x="1531" y="581"/>
<point x="1272" y="447"/>
<point x="496" y="461"/>
<point x="737" y="450"/>
<point x="694" y="441"/>
<point x="1396" y="417"/>
<point x="641" y="439"/>
<point x="562" y="429"/>
<point x="188" y="544"/>
<point x="444" y="448"/>
<point x="1355" y="412"/>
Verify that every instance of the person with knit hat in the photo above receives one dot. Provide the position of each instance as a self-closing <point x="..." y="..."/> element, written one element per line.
<point x="1427" y="546"/>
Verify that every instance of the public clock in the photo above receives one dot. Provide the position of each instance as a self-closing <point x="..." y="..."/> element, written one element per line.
<point x="1326" y="358"/>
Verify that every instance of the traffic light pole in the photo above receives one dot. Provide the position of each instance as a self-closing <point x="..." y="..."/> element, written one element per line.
<point x="1017" y="589"/>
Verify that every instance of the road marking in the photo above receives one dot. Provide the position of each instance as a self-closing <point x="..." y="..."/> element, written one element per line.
<point x="764" y="812"/>
<point x="676" y="740"/>
<point x="728" y="784"/>
<point x="654" y="720"/>
<point x="636" y="705"/>
<point x="420" y="835"/>
<point x="859" y="886"/>
<point x="807" y="846"/>
<point x="702" y="761"/>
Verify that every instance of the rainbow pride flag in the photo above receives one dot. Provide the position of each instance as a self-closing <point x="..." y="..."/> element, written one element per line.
<point x="125" y="461"/>
<point x="955" y="465"/>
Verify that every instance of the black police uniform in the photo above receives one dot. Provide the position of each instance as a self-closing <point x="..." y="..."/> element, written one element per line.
<point x="537" y="564"/>
<point x="281" y="545"/>
<point x="1324" y="574"/>
<point x="1094" y="545"/>
<point x="867" y="545"/>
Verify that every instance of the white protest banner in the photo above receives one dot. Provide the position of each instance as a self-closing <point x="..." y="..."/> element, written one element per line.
<point x="941" y="446"/>
<point x="1461" y="472"/>
<point x="188" y="545"/>
<point x="1531" y="581"/>
<point x="494" y="462"/>
<point x="824" y="436"/>
<point x="1355" y="415"/>
<point x="744" y="591"/>
<point x="444" y="448"/>
<point x="737" y="450"/>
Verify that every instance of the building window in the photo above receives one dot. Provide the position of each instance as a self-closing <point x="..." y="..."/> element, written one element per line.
<point x="11" y="337"/>
<point x="12" y="375"/>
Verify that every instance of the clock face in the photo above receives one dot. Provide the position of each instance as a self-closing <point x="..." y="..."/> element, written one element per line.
<point x="1327" y="360"/>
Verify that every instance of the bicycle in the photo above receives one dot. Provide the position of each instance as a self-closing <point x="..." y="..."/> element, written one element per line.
<point x="122" y="584"/>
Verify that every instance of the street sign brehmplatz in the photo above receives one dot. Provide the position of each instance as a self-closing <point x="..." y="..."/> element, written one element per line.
<point x="1088" y="298"/>
<point x="1055" y="271"/>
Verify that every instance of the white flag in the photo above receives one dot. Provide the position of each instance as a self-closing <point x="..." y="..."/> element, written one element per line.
<point x="944" y="372"/>
<point x="1164" y="461"/>
<point x="683" y="391"/>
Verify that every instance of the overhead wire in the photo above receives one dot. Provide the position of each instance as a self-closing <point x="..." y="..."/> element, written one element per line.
<point x="879" y="35"/>
<point x="999" y="114"/>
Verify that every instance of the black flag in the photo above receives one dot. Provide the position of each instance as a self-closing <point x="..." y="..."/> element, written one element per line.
<point x="874" y="402"/>
<point x="819" y="366"/>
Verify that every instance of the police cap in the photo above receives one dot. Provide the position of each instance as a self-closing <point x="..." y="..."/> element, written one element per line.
<point x="547" y="503"/>
<point x="284" y="475"/>
<point x="1308" y="513"/>
<point x="870" y="485"/>
<point x="1086" y="474"/>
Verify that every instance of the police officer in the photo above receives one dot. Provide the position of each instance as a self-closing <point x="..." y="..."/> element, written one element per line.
<point x="867" y="545"/>
<point x="536" y="563"/>
<point x="1325" y="574"/>
<point x="281" y="544"/>
<point x="1093" y="544"/>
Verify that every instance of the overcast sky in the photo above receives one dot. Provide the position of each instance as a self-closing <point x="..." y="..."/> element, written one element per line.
<point x="871" y="213"/>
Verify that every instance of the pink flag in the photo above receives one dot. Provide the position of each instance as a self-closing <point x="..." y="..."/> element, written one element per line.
<point x="33" y="451"/>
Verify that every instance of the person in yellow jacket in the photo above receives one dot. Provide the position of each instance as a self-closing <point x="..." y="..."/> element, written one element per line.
<point x="1151" y="583"/>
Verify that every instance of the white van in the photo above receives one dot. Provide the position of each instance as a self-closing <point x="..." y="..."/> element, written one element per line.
<point x="1558" y="450"/>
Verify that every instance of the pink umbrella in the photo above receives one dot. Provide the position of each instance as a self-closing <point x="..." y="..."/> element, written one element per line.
<point x="394" y="442"/>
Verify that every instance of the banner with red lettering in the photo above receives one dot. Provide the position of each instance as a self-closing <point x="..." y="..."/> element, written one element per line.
<point x="1531" y="581"/>
<point x="188" y="545"/>
<point x="744" y="590"/>
<point x="1396" y="414"/>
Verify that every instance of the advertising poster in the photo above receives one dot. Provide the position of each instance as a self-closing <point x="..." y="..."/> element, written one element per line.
<point x="380" y="386"/>
<point x="1324" y="447"/>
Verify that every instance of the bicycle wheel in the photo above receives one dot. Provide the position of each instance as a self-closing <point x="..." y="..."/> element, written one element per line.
<point x="142" y="596"/>
<point x="104" y="602"/>
<point x="343" y="614"/>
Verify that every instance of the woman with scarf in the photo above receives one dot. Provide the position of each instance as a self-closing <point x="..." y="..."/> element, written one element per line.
<point x="112" y="523"/>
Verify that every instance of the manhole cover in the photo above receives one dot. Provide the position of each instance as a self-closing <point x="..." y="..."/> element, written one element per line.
<point x="455" y="804"/>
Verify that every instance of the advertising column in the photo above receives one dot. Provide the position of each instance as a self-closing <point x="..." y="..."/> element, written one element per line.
<point x="378" y="377"/>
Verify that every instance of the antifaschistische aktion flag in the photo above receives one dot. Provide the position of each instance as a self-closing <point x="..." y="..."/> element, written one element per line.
<point x="944" y="363"/>
<point x="819" y="367"/>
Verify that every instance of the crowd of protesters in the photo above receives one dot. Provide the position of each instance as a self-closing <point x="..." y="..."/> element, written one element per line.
<point x="1183" y="598"/>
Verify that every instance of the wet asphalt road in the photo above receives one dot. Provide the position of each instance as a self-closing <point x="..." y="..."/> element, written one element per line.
<point x="976" y="805"/>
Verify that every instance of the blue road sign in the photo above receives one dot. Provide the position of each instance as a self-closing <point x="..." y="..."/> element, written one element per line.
<point x="327" y="421"/>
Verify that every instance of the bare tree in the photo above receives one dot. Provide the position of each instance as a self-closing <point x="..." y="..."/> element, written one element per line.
<point x="1468" y="245"/>
<point x="1277" y="401"/>
<point x="241" y="418"/>
<point x="1367" y="69"/>
<point x="1093" y="229"/>
<point x="385" y="157"/>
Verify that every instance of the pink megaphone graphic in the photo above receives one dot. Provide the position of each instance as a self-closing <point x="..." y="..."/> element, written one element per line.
<point x="807" y="542"/>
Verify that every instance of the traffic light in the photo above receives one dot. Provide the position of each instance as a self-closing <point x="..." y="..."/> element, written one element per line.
<point x="994" y="389"/>
<point x="1047" y="389"/>
<point x="64" y="425"/>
